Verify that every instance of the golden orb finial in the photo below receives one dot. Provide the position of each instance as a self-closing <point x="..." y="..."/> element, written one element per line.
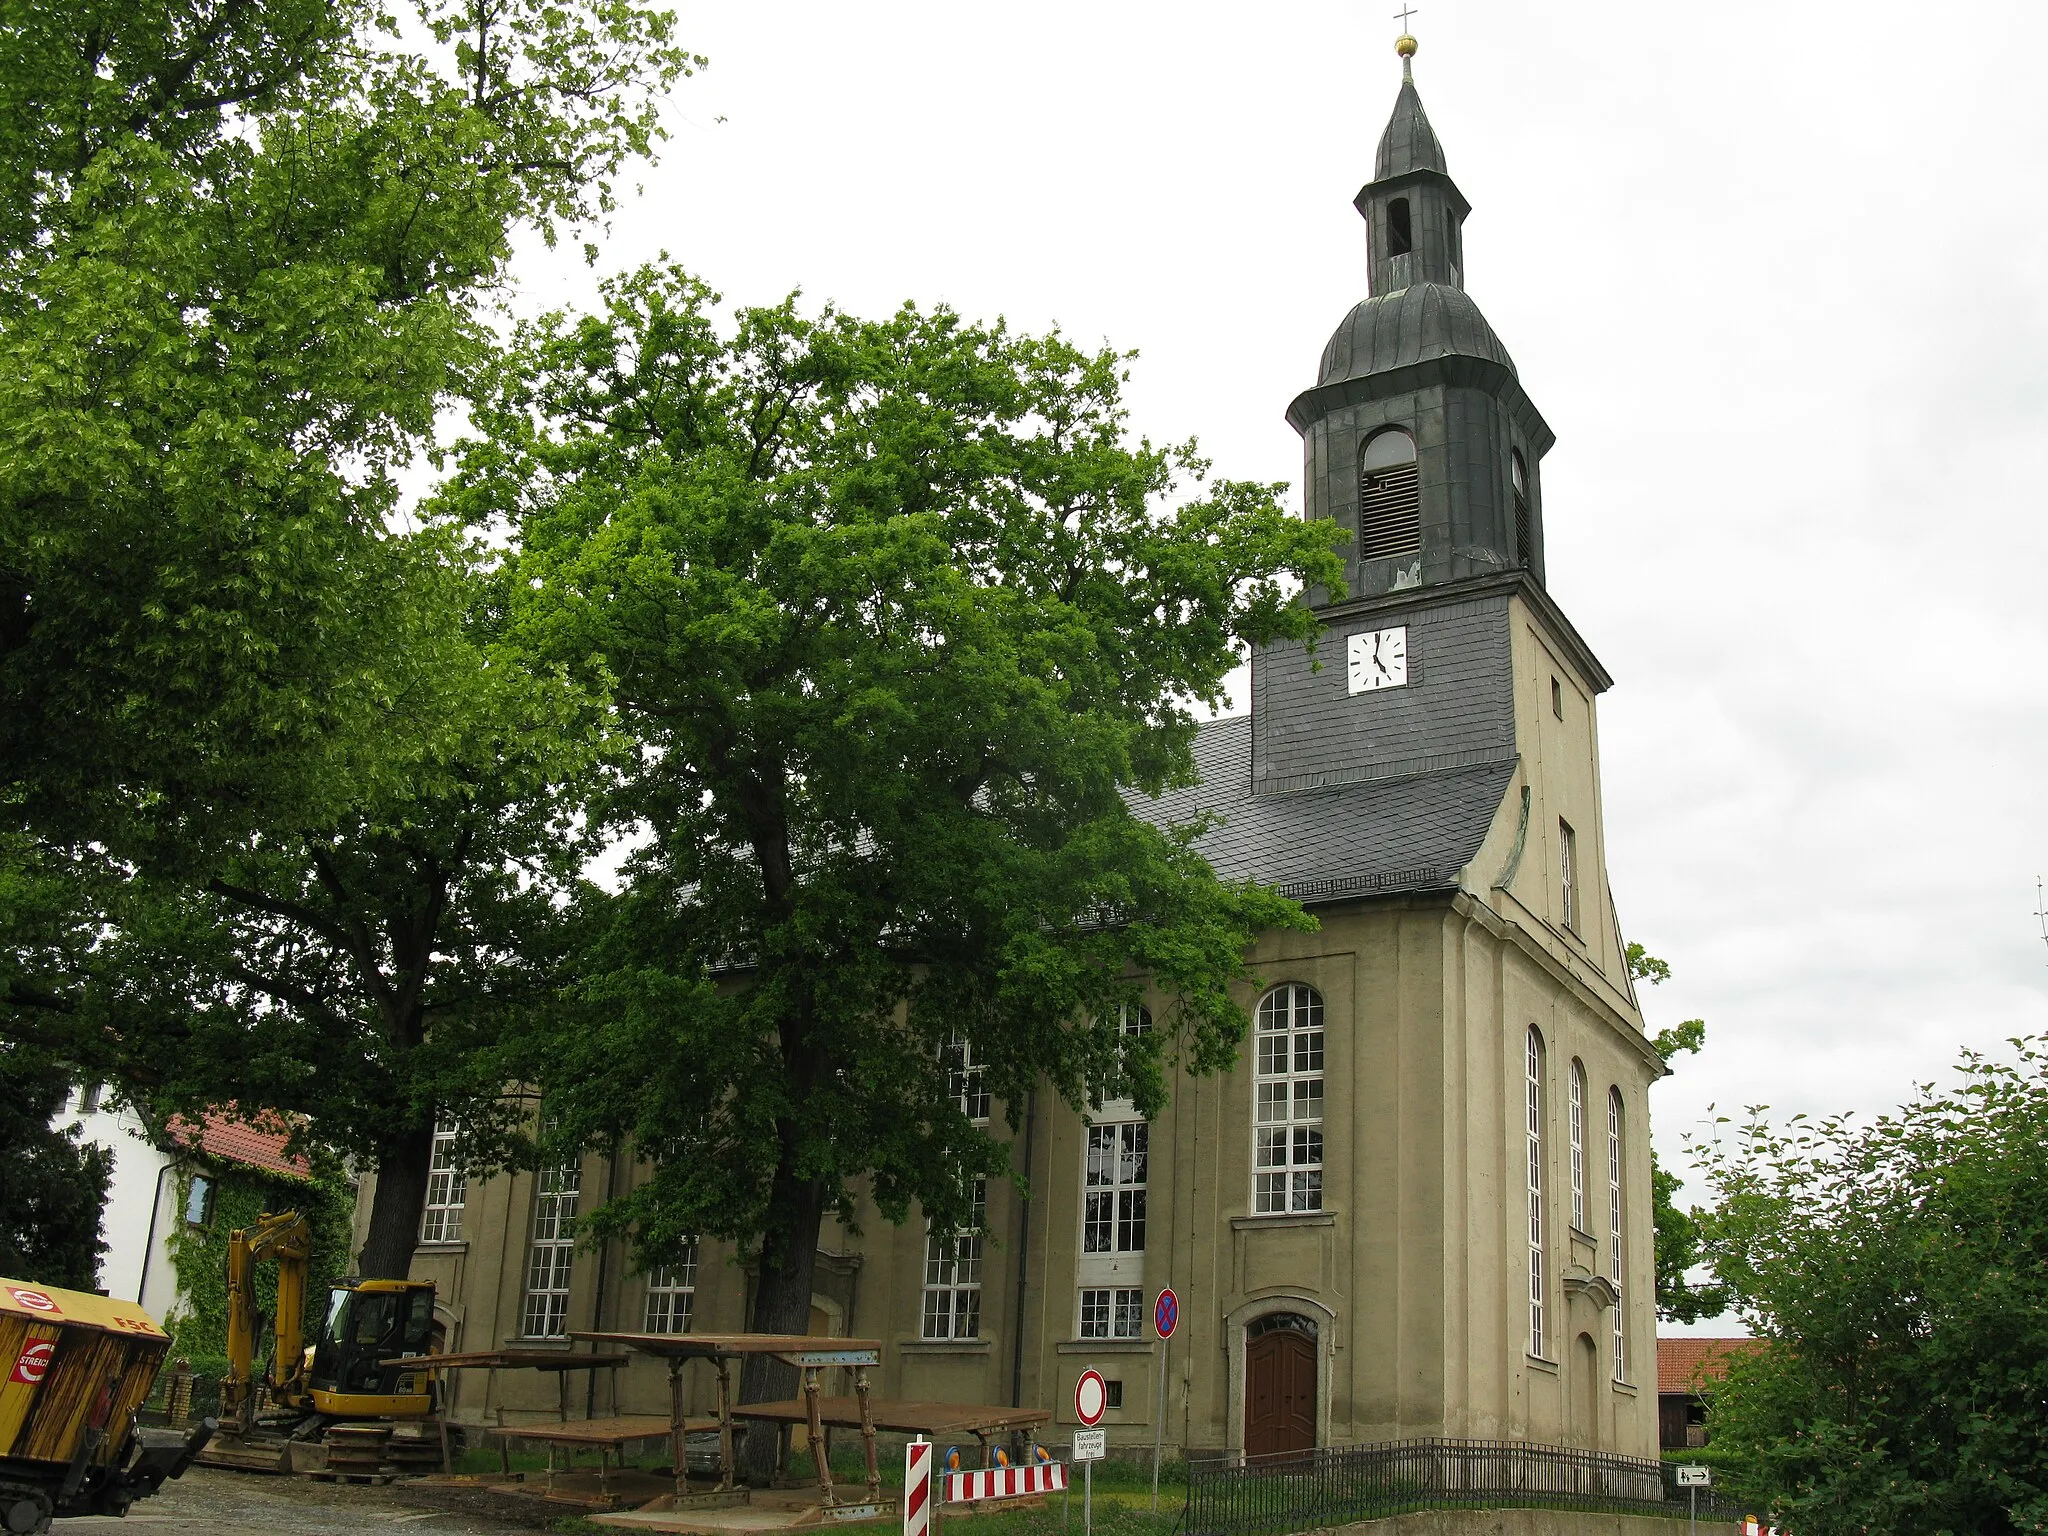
<point x="1405" y="46"/>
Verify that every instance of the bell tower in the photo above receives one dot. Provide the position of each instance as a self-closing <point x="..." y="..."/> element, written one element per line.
<point x="1419" y="439"/>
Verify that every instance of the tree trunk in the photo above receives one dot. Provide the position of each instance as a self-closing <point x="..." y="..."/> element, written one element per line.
<point x="402" y="1166"/>
<point x="782" y="1302"/>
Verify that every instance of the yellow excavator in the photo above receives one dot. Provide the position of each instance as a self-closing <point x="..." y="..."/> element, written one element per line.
<point x="341" y="1376"/>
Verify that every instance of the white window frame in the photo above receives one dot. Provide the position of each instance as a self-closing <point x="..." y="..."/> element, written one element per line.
<point x="672" y="1294"/>
<point x="1114" y="1178"/>
<point x="551" y="1252"/>
<point x="1287" y="1119"/>
<point x="1578" y="1134"/>
<point x="447" y="1187"/>
<point x="1616" y="1266"/>
<point x="1568" y="872"/>
<point x="966" y="1079"/>
<point x="952" y="1275"/>
<point x="1112" y="1312"/>
<point x="1533" y="1103"/>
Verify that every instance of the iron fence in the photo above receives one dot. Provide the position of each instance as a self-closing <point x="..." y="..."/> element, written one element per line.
<point x="1336" y="1485"/>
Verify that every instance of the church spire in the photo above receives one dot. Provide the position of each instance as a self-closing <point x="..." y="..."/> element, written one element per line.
<point x="1413" y="210"/>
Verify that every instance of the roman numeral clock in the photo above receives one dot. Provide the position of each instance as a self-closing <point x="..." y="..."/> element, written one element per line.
<point x="1377" y="659"/>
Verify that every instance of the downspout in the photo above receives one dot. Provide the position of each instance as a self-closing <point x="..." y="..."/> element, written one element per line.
<point x="1023" y="1255"/>
<point x="149" y="1242"/>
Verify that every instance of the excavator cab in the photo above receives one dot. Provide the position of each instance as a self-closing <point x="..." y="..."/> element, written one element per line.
<point x="369" y="1322"/>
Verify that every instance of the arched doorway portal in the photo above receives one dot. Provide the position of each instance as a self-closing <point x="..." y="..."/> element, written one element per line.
<point x="1279" y="1384"/>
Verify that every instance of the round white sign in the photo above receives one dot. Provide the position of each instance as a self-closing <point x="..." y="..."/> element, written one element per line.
<point x="1090" y="1397"/>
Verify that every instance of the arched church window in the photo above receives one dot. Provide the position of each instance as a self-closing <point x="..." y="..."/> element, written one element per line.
<point x="1525" y="546"/>
<point x="1578" y="1125"/>
<point x="1389" y="496"/>
<point x="1287" y="1149"/>
<point x="1533" y="1121"/>
<point x="1614" y="1232"/>
<point x="1400" y="231"/>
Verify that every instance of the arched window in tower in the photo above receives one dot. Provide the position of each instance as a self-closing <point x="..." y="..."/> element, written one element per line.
<point x="1525" y="550"/>
<point x="1389" y="496"/>
<point x="1533" y="1119"/>
<point x="1400" y="231"/>
<point x="1614" y="1232"/>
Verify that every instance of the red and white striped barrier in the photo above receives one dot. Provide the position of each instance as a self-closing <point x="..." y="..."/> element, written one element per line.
<point x="917" y="1488"/>
<point x="1004" y="1482"/>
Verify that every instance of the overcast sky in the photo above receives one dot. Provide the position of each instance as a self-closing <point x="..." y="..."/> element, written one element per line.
<point x="1775" y="276"/>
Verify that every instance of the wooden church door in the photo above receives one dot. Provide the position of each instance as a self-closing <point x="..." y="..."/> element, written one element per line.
<point x="1279" y="1385"/>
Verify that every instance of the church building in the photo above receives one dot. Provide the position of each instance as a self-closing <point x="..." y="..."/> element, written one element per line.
<point x="1420" y="1204"/>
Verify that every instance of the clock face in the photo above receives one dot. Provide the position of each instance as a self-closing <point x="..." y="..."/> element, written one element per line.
<point x="1378" y="659"/>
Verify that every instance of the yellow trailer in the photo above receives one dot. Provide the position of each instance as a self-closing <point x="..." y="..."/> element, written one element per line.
<point x="78" y="1367"/>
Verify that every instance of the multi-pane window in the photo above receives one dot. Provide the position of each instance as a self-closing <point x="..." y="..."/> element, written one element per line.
<point x="1578" y="1127"/>
<point x="672" y="1294"/>
<point x="1533" y="1099"/>
<point x="447" y="1187"/>
<point x="1113" y="1204"/>
<point x="551" y="1252"/>
<point x="1614" y="1231"/>
<point x="952" y="1275"/>
<point x="1287" y="1152"/>
<point x="1568" y="872"/>
<point x="1113" y="1312"/>
<point x="966" y="1079"/>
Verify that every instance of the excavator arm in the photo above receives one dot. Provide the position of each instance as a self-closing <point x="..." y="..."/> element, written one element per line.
<point x="286" y="1237"/>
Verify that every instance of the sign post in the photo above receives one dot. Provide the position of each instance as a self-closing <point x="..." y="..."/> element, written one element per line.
<point x="1165" y="1318"/>
<point x="1692" y="1480"/>
<point x="917" y="1488"/>
<point x="1090" y="1444"/>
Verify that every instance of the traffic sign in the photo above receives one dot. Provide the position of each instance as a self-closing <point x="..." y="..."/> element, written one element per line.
<point x="1695" y="1477"/>
<point x="1090" y="1398"/>
<point x="917" y="1487"/>
<point x="1166" y="1312"/>
<point x="1091" y="1444"/>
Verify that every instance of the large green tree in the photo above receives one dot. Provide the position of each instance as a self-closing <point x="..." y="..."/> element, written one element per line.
<point x="1899" y="1271"/>
<point x="248" y="253"/>
<point x="904" y="634"/>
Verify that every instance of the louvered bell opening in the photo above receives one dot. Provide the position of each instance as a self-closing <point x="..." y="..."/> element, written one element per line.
<point x="1525" y="543"/>
<point x="1389" y="512"/>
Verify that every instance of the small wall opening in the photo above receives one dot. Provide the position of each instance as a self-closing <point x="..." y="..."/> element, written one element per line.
<point x="1525" y="540"/>
<point x="1400" y="233"/>
<point x="1389" y="497"/>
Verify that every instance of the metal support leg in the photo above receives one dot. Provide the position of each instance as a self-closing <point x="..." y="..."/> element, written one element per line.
<point x="820" y="1458"/>
<point x="727" y="1470"/>
<point x="678" y="1462"/>
<point x="867" y="1433"/>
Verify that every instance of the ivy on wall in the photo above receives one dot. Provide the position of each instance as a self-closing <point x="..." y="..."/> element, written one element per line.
<point x="198" y="1323"/>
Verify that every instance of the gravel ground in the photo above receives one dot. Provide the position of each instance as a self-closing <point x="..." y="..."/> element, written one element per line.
<point x="211" y="1501"/>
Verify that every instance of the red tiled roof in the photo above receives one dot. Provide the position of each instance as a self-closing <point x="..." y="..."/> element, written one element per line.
<point x="1683" y="1363"/>
<point x="257" y="1144"/>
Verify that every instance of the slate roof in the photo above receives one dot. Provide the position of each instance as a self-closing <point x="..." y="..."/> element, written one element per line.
<point x="1409" y="325"/>
<point x="1373" y="838"/>
<point x="1685" y="1364"/>
<point x="1409" y="144"/>
<point x="237" y="1141"/>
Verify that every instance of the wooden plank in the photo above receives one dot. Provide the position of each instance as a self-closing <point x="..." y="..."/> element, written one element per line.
<point x="705" y="1346"/>
<point x="617" y="1431"/>
<point x="904" y="1417"/>
<point x="508" y="1360"/>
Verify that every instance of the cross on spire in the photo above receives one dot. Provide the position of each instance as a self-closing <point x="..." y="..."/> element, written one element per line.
<point x="1402" y="16"/>
<point x="1404" y="45"/>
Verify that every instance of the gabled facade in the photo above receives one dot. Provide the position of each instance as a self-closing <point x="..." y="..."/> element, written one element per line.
<point x="1420" y="1205"/>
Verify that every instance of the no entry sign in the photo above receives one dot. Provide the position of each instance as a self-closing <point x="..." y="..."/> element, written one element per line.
<point x="1166" y="1313"/>
<point x="1090" y="1397"/>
